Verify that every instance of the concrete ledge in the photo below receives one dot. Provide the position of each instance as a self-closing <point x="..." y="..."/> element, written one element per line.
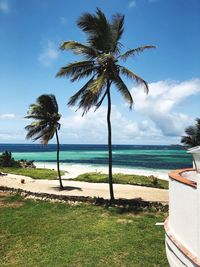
<point x="176" y="175"/>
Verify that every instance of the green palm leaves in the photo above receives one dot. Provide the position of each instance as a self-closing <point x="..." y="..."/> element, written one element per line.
<point x="45" y="115"/>
<point x="192" y="137"/>
<point x="101" y="34"/>
<point x="101" y="54"/>
<point x="135" y="51"/>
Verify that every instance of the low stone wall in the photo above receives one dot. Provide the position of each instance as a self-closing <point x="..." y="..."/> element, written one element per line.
<point x="136" y="205"/>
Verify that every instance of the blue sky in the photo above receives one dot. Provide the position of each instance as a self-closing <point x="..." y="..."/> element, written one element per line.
<point x="31" y="32"/>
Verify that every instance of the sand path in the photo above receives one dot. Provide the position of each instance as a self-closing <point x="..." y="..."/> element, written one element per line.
<point x="75" y="188"/>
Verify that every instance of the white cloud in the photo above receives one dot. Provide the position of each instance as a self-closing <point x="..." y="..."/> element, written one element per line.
<point x="158" y="120"/>
<point x="8" y="136"/>
<point x="12" y="128"/>
<point x="92" y="128"/>
<point x="132" y="4"/>
<point x="49" y="54"/>
<point x="4" y="7"/>
<point x="159" y="105"/>
<point x="7" y="116"/>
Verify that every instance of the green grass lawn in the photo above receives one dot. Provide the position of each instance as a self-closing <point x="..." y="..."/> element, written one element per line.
<point x="120" y="178"/>
<point x="36" y="233"/>
<point x="35" y="173"/>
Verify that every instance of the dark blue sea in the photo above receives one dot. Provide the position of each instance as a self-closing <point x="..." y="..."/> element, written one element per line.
<point x="130" y="156"/>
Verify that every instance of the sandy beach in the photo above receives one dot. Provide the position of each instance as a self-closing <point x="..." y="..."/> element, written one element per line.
<point x="73" y="170"/>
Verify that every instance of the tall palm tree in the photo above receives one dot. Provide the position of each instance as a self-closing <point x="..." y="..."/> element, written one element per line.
<point x="101" y="55"/>
<point x="193" y="135"/>
<point x="46" y="123"/>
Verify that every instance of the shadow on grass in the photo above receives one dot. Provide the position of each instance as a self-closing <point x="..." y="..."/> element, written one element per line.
<point x="135" y="205"/>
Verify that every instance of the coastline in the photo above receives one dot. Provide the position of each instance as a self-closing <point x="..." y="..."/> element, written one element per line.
<point x="73" y="170"/>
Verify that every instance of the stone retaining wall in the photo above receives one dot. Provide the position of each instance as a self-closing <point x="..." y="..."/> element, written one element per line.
<point x="136" y="205"/>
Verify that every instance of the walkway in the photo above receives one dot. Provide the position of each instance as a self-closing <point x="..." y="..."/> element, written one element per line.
<point x="75" y="188"/>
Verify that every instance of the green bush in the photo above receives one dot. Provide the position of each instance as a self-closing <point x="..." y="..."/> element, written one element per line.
<point x="6" y="160"/>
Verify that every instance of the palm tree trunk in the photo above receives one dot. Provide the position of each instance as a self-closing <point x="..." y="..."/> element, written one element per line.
<point x="58" y="160"/>
<point x="109" y="143"/>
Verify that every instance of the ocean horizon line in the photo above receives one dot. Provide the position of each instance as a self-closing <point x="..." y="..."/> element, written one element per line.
<point x="91" y="144"/>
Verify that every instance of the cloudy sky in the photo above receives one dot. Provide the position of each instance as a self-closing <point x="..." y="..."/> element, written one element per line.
<point x="31" y="32"/>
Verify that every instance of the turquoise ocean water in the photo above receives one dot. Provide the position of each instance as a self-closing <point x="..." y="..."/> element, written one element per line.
<point x="129" y="156"/>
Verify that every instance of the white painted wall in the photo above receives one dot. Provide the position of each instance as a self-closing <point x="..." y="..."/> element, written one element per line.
<point x="184" y="215"/>
<point x="174" y="256"/>
<point x="198" y="214"/>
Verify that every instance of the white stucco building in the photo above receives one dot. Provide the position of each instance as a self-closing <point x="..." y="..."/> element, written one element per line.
<point x="182" y="227"/>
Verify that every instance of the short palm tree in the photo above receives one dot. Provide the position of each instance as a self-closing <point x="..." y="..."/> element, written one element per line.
<point x="6" y="159"/>
<point x="101" y="55"/>
<point x="193" y="135"/>
<point x="46" y="123"/>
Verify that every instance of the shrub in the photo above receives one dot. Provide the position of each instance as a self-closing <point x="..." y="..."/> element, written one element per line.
<point x="6" y="160"/>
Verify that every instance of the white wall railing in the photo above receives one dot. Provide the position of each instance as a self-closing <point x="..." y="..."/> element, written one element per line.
<point x="183" y="222"/>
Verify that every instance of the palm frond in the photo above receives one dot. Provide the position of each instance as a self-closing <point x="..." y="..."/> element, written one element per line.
<point x="131" y="75"/>
<point x="117" y="27"/>
<point x="80" y="49"/>
<point x="88" y="100"/>
<point x="45" y="115"/>
<point x="133" y="52"/>
<point x="123" y="90"/>
<point x="190" y="141"/>
<point x="98" y="30"/>
<point x="191" y="131"/>
<point x="87" y="22"/>
<point x="44" y="133"/>
<point x="44" y="103"/>
<point x="35" y="117"/>
<point x="34" y="129"/>
<point x="198" y="123"/>
<point x="48" y="102"/>
<point x="85" y="73"/>
<point x="91" y="96"/>
<point x="74" y="69"/>
<point x="75" y="98"/>
<point x="96" y="85"/>
<point x="193" y="135"/>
